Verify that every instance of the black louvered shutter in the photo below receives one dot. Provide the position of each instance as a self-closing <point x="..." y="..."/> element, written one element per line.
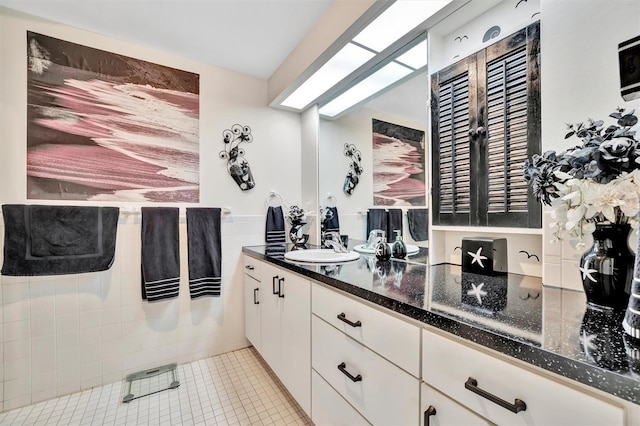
<point x="503" y="118"/>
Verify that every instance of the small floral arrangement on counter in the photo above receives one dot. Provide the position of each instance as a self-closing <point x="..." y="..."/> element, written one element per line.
<point x="597" y="181"/>
<point x="295" y="215"/>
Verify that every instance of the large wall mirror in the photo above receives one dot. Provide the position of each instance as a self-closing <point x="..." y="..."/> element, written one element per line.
<point x="467" y="30"/>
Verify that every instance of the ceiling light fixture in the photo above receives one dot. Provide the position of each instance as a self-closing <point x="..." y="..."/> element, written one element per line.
<point x="369" y="59"/>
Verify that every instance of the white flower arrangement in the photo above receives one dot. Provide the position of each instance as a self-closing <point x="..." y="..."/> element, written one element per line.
<point x="596" y="182"/>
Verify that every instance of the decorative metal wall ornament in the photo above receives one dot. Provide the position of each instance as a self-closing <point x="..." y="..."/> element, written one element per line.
<point x="355" y="168"/>
<point x="237" y="166"/>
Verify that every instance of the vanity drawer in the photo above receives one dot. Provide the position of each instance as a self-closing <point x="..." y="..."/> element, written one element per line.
<point x="438" y="410"/>
<point x="451" y="367"/>
<point x="329" y="408"/>
<point x="252" y="267"/>
<point x="383" y="393"/>
<point x="394" y="339"/>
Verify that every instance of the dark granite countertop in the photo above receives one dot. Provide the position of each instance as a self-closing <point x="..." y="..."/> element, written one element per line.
<point x="516" y="315"/>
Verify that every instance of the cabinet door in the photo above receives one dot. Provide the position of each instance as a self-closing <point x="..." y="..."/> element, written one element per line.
<point x="252" y="311"/>
<point x="270" y="324"/>
<point x="329" y="408"/>
<point x="485" y="115"/>
<point x="438" y="410"/>
<point x="286" y="331"/>
<point x="294" y="293"/>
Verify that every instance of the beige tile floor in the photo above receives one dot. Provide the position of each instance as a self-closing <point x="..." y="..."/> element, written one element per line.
<point x="237" y="388"/>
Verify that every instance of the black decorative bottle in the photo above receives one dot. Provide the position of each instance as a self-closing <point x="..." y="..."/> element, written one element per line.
<point x="399" y="249"/>
<point x="383" y="251"/>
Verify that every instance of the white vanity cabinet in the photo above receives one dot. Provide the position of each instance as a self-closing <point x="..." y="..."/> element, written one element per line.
<point x="285" y="304"/>
<point x="495" y="389"/>
<point x="252" y="307"/>
<point x="348" y="341"/>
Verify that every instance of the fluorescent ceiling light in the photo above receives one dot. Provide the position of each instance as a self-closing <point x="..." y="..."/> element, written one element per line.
<point x="343" y="63"/>
<point x="377" y="81"/>
<point x="416" y="57"/>
<point x="402" y="17"/>
<point x="393" y="23"/>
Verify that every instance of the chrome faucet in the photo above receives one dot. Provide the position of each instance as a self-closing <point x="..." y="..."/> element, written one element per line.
<point x="333" y="240"/>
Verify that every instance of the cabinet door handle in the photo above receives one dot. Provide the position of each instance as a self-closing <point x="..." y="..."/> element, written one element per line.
<point x="342" y="317"/>
<point x="431" y="411"/>
<point x="518" y="405"/>
<point x="280" y="282"/>
<point x="255" y="294"/>
<point x="273" y="281"/>
<point x="249" y="267"/>
<point x="343" y="368"/>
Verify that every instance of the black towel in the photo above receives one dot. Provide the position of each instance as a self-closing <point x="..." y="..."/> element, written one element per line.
<point x="205" y="252"/>
<point x="376" y="219"/>
<point x="418" y="224"/>
<point x="160" y="253"/>
<point x="332" y="221"/>
<point x="275" y="232"/>
<point x="394" y="223"/>
<point x="55" y="240"/>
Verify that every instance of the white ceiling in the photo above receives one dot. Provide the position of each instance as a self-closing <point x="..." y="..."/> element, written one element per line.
<point x="249" y="36"/>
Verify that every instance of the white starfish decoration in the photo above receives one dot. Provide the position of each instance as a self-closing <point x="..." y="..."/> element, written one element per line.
<point x="586" y="273"/>
<point x="477" y="257"/>
<point x="477" y="291"/>
<point x="587" y="342"/>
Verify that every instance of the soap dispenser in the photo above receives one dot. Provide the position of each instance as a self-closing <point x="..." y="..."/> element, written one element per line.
<point x="399" y="249"/>
<point x="383" y="250"/>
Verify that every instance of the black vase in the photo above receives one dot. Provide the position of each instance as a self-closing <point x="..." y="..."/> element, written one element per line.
<point x="607" y="267"/>
<point x="295" y="233"/>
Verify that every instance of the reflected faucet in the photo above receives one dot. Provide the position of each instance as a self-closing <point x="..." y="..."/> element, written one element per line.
<point x="333" y="240"/>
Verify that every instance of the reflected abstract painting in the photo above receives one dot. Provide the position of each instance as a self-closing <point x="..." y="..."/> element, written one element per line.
<point x="103" y="126"/>
<point x="398" y="165"/>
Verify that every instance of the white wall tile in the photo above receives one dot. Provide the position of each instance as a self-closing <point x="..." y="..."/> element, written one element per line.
<point x="43" y="357"/>
<point x="20" y="401"/>
<point x="43" y="307"/>
<point x="111" y="332"/>
<point x="67" y="358"/>
<point x="571" y="276"/>
<point x="15" y="292"/>
<point x="42" y="327"/>
<point x="89" y="336"/>
<point x="44" y="381"/>
<point x="90" y="353"/>
<point x="66" y="303"/>
<point x="112" y="365"/>
<point x="67" y="323"/>
<point x="16" y="311"/>
<point x="67" y="341"/>
<point x="17" y="388"/>
<point x="17" y="368"/>
<point x="111" y="348"/>
<point x="110" y="316"/>
<point x="89" y="319"/>
<point x="16" y="330"/>
<point x="17" y="349"/>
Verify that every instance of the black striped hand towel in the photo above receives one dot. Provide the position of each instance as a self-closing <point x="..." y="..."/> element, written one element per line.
<point x="275" y="232"/>
<point x="160" y="253"/>
<point x="204" y="251"/>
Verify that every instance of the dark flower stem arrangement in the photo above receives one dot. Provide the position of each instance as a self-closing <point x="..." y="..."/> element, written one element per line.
<point x="237" y="166"/>
<point x="355" y="168"/>
<point x="296" y="216"/>
<point x="597" y="181"/>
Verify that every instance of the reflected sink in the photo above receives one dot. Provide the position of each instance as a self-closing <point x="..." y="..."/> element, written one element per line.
<point x="362" y="248"/>
<point x="320" y="256"/>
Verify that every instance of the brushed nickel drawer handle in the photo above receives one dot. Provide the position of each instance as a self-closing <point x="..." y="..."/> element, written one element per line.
<point x="342" y="317"/>
<point x="518" y="405"/>
<point x="343" y="368"/>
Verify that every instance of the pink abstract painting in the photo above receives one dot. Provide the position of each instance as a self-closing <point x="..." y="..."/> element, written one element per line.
<point x="398" y="165"/>
<point x="103" y="126"/>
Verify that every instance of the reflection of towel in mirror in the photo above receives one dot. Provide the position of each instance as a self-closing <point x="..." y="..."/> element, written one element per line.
<point x="160" y="253"/>
<point x="394" y="223"/>
<point x="332" y="222"/>
<point x="275" y="232"/>
<point x="418" y="224"/>
<point x="204" y="251"/>
<point x="376" y="219"/>
<point x="56" y="240"/>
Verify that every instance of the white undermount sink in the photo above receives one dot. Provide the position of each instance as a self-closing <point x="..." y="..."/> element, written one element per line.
<point x="320" y="256"/>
